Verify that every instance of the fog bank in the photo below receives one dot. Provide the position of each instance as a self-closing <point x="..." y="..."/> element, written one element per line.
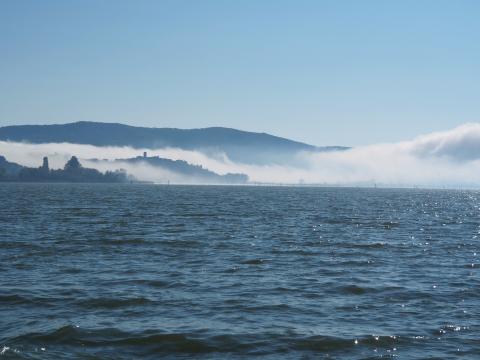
<point x="449" y="158"/>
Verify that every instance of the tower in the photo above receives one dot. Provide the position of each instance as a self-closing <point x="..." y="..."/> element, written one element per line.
<point x="45" y="164"/>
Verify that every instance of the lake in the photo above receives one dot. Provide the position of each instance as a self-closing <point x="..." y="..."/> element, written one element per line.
<point x="213" y="272"/>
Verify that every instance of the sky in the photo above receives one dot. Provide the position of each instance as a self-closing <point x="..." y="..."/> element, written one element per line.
<point x="324" y="72"/>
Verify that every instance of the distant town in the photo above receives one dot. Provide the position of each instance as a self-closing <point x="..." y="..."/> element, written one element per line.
<point x="73" y="171"/>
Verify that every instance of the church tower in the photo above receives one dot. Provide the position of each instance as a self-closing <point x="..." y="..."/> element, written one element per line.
<point x="45" y="164"/>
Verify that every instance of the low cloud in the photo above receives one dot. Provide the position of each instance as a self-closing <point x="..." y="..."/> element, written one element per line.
<point x="460" y="144"/>
<point x="449" y="158"/>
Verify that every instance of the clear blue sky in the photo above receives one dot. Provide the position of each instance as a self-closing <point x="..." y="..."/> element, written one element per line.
<point x="325" y="72"/>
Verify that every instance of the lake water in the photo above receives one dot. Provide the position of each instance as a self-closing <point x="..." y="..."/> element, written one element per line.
<point x="215" y="272"/>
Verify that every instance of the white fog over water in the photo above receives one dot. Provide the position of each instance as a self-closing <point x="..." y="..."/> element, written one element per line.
<point x="448" y="158"/>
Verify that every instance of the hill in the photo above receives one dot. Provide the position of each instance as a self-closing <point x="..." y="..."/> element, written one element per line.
<point x="9" y="169"/>
<point x="177" y="171"/>
<point x="242" y="146"/>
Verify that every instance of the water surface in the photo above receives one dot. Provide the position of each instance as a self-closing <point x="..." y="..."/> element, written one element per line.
<point x="129" y="271"/>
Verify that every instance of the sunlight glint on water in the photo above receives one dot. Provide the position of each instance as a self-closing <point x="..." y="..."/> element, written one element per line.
<point x="122" y="271"/>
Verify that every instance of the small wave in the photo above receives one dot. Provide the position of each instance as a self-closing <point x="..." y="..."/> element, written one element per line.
<point x="253" y="262"/>
<point x="354" y="289"/>
<point x="14" y="299"/>
<point x="322" y="343"/>
<point x="300" y="252"/>
<point x="375" y="245"/>
<point x="72" y="270"/>
<point x="123" y="241"/>
<point x="113" y="303"/>
<point x="266" y="308"/>
<point x="182" y="243"/>
<point x="154" y="283"/>
<point x="390" y="224"/>
<point x="338" y="221"/>
<point x="232" y="270"/>
<point x="449" y="328"/>
<point x="153" y="343"/>
<point x="148" y="341"/>
<point x="23" y="266"/>
<point x="21" y="245"/>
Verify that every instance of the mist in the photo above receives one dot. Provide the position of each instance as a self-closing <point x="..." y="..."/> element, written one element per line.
<point x="449" y="158"/>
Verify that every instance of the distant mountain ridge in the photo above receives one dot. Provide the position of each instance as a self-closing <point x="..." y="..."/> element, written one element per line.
<point x="242" y="146"/>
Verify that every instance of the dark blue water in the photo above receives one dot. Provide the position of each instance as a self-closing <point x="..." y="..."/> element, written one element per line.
<point x="145" y="271"/>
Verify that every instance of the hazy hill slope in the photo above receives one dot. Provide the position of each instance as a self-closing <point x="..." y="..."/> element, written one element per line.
<point x="183" y="172"/>
<point x="9" y="168"/>
<point x="239" y="145"/>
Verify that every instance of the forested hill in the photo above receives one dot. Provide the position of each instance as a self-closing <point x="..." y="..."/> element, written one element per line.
<point x="243" y="146"/>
